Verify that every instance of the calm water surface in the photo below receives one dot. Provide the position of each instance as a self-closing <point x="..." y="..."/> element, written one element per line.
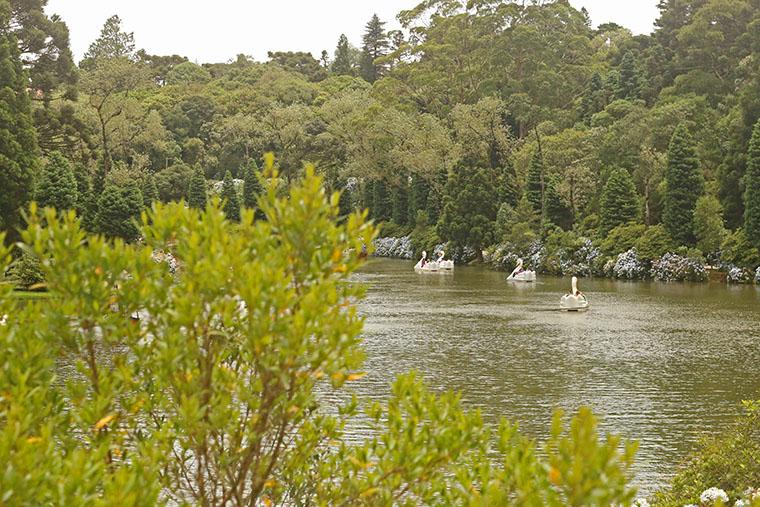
<point x="660" y="363"/>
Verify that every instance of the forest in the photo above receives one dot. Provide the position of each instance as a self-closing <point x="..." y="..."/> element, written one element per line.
<point x="478" y="123"/>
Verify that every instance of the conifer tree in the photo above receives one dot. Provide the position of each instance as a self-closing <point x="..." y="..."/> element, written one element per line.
<point x="18" y="145"/>
<point x="401" y="201"/>
<point x="86" y="206"/>
<point x="368" y="196"/>
<point x="149" y="191"/>
<point x="684" y="184"/>
<point x="630" y="80"/>
<point x="535" y="186"/>
<point x="231" y="205"/>
<point x="752" y="189"/>
<point x="375" y="45"/>
<point x="196" y="194"/>
<point x="57" y="186"/>
<point x="618" y="204"/>
<point x="593" y="99"/>
<point x="418" y="197"/>
<point x="507" y="181"/>
<point x="346" y="201"/>
<point x="341" y="65"/>
<point x="469" y="211"/>
<point x="556" y="210"/>
<point x="252" y="188"/>
<point x="118" y="211"/>
<point x="435" y="196"/>
<point x="381" y="201"/>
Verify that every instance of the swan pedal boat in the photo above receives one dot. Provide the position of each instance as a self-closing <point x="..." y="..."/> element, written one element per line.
<point x="439" y="266"/>
<point x="575" y="301"/>
<point x="521" y="275"/>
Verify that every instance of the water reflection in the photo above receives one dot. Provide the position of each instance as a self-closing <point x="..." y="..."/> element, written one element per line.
<point x="661" y="363"/>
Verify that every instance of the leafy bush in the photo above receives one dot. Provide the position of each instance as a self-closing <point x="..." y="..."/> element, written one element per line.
<point x="26" y="271"/>
<point x="220" y="375"/>
<point x="730" y="461"/>
<point x="393" y="230"/>
<point x="622" y="238"/>
<point x="654" y="243"/>
<point x="737" y="250"/>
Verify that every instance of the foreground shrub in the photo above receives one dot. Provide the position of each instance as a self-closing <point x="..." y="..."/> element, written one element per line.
<point x="215" y="396"/>
<point x="729" y="462"/>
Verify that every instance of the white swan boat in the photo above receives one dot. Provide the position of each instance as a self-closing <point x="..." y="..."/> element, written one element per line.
<point x="521" y="275"/>
<point x="425" y="266"/>
<point x="575" y="301"/>
<point x="446" y="265"/>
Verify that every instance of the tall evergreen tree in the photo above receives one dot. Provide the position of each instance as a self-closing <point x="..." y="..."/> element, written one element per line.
<point x="593" y="98"/>
<point x="684" y="185"/>
<point x="118" y="211"/>
<point x="507" y="182"/>
<point x="342" y="65"/>
<point x="435" y="196"/>
<point x="252" y="187"/>
<point x="630" y="81"/>
<point x="469" y="211"/>
<point x="57" y="186"/>
<point x="382" y="209"/>
<point x="534" y="190"/>
<point x="85" y="203"/>
<point x="112" y="43"/>
<point x="18" y="145"/>
<point x="556" y="209"/>
<point x="368" y="196"/>
<point x="418" y="198"/>
<point x="231" y="205"/>
<point x="401" y="201"/>
<point x="196" y="193"/>
<point x="752" y="189"/>
<point x="374" y="45"/>
<point x="618" y="204"/>
<point x="346" y="201"/>
<point x="149" y="191"/>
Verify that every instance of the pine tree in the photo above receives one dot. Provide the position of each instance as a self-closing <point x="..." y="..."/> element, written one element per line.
<point x="593" y="99"/>
<point x="149" y="191"/>
<point x="630" y="80"/>
<point x="342" y="65"/>
<point x="346" y="201"/>
<point x="368" y="196"/>
<point x="231" y="205"/>
<point x="401" y="201"/>
<point x="684" y="184"/>
<point x="619" y="203"/>
<point x="556" y="209"/>
<point x="57" y="186"/>
<point x="752" y="189"/>
<point x="118" y="211"/>
<point x="112" y="43"/>
<point x="534" y="190"/>
<point x="381" y="201"/>
<point x="18" y="145"/>
<point x="252" y="187"/>
<point x="375" y="45"/>
<point x="507" y="181"/>
<point x="85" y="206"/>
<point x="469" y="210"/>
<point x="435" y="197"/>
<point x="196" y="193"/>
<point x="418" y="198"/>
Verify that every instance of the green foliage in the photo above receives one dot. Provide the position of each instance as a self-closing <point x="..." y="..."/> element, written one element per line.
<point x="252" y="188"/>
<point x="709" y="228"/>
<point x="752" y="189"/>
<point x="231" y="204"/>
<point x="196" y="194"/>
<point x="346" y="201"/>
<point x="149" y="191"/>
<point x="684" y="185"/>
<point x="418" y="199"/>
<point x="630" y="81"/>
<point x="18" y="145"/>
<point x="400" y="201"/>
<point x="622" y="238"/>
<point x="187" y="73"/>
<point x="534" y="189"/>
<point x="469" y="210"/>
<point x="26" y="271"/>
<point x="618" y="204"/>
<point x="57" y="186"/>
<point x="112" y="43"/>
<point x="118" y="212"/>
<point x="654" y="243"/>
<point x="738" y="250"/>
<point x="555" y="208"/>
<point x="342" y="64"/>
<point x="424" y="236"/>
<point x="374" y="46"/>
<point x="508" y="192"/>
<point x="729" y="461"/>
<point x="173" y="182"/>
<point x="382" y="203"/>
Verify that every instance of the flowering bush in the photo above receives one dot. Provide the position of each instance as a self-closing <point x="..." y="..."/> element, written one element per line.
<point x="673" y="267"/>
<point x="712" y="495"/>
<point x="400" y="248"/>
<point x="736" y="274"/>
<point x="628" y="266"/>
<point x="757" y="275"/>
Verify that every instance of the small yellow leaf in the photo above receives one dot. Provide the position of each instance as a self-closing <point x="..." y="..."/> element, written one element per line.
<point x="318" y="374"/>
<point x="369" y="492"/>
<point x="356" y="376"/>
<point x="33" y="440"/>
<point x="554" y="476"/>
<point x="338" y="376"/>
<point x="267" y="501"/>
<point x="271" y="483"/>
<point x="116" y="452"/>
<point x="293" y="410"/>
<point x="104" y="421"/>
<point x="336" y="255"/>
<point x="98" y="270"/>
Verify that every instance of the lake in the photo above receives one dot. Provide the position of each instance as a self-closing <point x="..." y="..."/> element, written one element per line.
<point x="659" y="363"/>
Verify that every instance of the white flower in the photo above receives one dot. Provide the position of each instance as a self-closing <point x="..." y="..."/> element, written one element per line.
<point x="741" y="503"/>
<point x="712" y="495"/>
<point x="640" y="502"/>
<point x="3" y="320"/>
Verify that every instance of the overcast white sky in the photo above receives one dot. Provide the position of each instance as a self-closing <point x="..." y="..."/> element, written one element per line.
<point x="216" y="31"/>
